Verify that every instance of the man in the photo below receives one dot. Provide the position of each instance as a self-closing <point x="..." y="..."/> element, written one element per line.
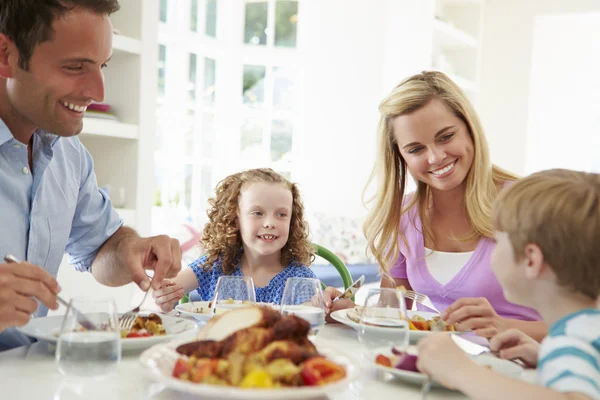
<point x="52" y="53"/>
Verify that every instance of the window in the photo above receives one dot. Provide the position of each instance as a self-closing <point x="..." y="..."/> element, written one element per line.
<point x="210" y="71"/>
<point x="162" y="66"/>
<point x="216" y="117"/>
<point x="255" y="31"/>
<point x="211" y="18"/>
<point x="192" y="69"/>
<point x="286" y="18"/>
<point x="163" y="11"/>
<point x="194" y="15"/>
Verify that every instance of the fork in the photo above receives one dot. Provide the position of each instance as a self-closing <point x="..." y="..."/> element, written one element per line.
<point x="421" y="299"/>
<point x="126" y="320"/>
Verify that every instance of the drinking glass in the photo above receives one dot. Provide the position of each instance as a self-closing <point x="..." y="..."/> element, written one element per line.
<point x="383" y="322"/>
<point x="233" y="292"/>
<point x="89" y="352"/>
<point x="303" y="297"/>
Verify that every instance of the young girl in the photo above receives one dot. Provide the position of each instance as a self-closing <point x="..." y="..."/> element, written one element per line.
<point x="256" y="228"/>
<point x="437" y="240"/>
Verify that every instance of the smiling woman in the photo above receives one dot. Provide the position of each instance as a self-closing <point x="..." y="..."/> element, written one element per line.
<point x="429" y="129"/>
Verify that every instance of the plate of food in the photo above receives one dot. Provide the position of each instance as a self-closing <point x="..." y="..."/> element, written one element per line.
<point x="203" y="310"/>
<point x="200" y="310"/>
<point x="250" y="353"/>
<point x="421" y="323"/>
<point x="147" y="330"/>
<point x="404" y="365"/>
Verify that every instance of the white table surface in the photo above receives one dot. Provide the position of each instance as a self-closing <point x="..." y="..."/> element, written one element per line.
<point x="30" y="373"/>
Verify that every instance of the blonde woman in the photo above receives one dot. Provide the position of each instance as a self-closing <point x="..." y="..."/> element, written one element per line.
<point x="438" y="239"/>
<point x="256" y="228"/>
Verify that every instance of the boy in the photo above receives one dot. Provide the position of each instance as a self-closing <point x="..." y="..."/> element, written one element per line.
<point x="547" y="257"/>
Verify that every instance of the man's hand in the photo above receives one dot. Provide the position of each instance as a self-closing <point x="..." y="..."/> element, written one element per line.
<point x="20" y="284"/>
<point x="159" y="253"/>
<point x="475" y="314"/>
<point x="514" y="344"/>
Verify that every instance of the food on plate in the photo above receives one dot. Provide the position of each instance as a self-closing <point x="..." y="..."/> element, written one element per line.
<point x="398" y="360"/>
<point x="255" y="347"/>
<point x="415" y="323"/>
<point x="145" y="327"/>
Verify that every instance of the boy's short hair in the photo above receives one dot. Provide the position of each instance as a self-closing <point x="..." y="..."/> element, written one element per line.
<point x="558" y="210"/>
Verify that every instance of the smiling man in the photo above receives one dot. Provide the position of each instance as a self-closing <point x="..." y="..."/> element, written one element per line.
<point x="52" y="53"/>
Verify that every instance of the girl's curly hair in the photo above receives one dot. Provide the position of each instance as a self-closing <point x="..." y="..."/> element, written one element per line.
<point x="222" y="239"/>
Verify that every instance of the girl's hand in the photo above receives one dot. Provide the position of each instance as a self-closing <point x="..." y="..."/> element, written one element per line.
<point x="168" y="295"/>
<point x="514" y="344"/>
<point x="440" y="358"/>
<point x="329" y="294"/>
<point x="475" y="314"/>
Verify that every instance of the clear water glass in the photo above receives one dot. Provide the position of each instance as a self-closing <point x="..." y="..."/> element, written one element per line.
<point x="303" y="297"/>
<point x="383" y="322"/>
<point x="89" y="352"/>
<point x="233" y="292"/>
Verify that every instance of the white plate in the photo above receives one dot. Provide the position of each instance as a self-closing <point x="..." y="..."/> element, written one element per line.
<point x="160" y="360"/>
<point x="46" y="328"/>
<point x="341" y="317"/>
<point x="189" y="309"/>
<point x="499" y="365"/>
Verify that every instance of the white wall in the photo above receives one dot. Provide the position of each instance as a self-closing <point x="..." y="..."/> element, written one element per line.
<point x="351" y="56"/>
<point x="506" y="66"/>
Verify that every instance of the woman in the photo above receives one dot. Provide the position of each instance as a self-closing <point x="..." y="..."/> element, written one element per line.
<point x="442" y="245"/>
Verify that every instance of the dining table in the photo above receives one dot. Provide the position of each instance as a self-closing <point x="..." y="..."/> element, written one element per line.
<point x="30" y="373"/>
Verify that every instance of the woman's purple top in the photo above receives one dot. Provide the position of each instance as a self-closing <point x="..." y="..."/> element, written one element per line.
<point x="475" y="279"/>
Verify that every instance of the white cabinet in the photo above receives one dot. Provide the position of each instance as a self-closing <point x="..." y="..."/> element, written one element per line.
<point x="456" y="51"/>
<point x="123" y="150"/>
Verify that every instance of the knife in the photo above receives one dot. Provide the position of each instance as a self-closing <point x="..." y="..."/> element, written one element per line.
<point x="82" y="319"/>
<point x="352" y="289"/>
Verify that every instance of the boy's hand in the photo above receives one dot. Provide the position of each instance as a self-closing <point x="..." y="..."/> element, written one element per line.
<point x="329" y="294"/>
<point x="168" y="295"/>
<point x="514" y="344"/>
<point x="475" y="314"/>
<point x="440" y="358"/>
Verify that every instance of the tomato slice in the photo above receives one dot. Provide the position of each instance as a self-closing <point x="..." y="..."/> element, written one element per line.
<point x="383" y="360"/>
<point x="319" y="371"/>
<point x="138" y="334"/>
<point x="181" y="367"/>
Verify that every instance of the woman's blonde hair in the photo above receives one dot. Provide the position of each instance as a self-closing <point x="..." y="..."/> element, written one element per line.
<point x="221" y="237"/>
<point x="382" y="226"/>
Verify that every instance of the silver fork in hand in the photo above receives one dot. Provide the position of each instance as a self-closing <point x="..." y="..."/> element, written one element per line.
<point x="421" y="299"/>
<point x="127" y="319"/>
<point x="425" y="387"/>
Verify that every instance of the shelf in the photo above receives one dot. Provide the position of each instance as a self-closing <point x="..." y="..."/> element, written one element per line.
<point x="449" y="37"/>
<point x="108" y="128"/>
<point x="125" y="44"/>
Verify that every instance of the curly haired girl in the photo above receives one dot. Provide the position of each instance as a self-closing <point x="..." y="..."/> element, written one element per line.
<point x="256" y="228"/>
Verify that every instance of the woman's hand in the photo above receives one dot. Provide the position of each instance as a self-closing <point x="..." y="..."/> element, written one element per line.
<point x="168" y="295"/>
<point x="514" y="344"/>
<point x="475" y="314"/>
<point x="329" y="294"/>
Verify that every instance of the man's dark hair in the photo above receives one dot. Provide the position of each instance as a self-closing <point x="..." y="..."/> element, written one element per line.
<point x="29" y="22"/>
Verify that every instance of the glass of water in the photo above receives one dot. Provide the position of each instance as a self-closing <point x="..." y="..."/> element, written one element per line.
<point x="383" y="322"/>
<point x="89" y="352"/>
<point x="233" y="292"/>
<point x="303" y="297"/>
